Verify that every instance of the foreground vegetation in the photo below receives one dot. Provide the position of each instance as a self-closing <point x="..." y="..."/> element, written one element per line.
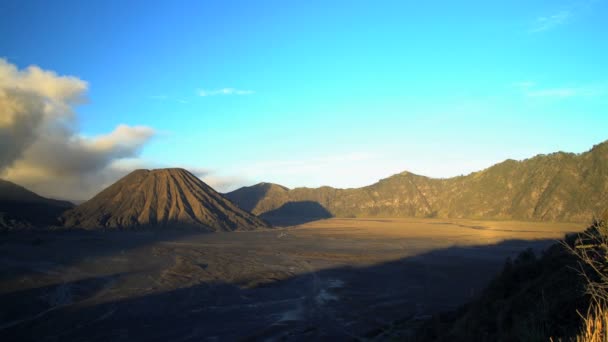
<point x="591" y="249"/>
<point x="561" y="295"/>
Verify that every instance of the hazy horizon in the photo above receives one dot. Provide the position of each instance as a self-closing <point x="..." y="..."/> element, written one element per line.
<point x="296" y="94"/>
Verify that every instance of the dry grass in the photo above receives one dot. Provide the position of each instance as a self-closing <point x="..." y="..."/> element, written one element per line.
<point x="591" y="248"/>
<point x="595" y="325"/>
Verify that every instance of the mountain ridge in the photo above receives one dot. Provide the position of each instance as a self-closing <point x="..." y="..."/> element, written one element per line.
<point x="558" y="186"/>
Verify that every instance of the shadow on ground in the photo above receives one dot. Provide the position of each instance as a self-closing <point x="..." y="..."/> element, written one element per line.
<point x="177" y="298"/>
<point x="30" y="253"/>
<point x="296" y="213"/>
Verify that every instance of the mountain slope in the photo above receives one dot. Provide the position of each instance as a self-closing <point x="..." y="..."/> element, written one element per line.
<point x="21" y="208"/>
<point x="555" y="187"/>
<point x="160" y="198"/>
<point x="253" y="198"/>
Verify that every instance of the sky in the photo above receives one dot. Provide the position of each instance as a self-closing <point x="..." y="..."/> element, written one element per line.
<point x="300" y="93"/>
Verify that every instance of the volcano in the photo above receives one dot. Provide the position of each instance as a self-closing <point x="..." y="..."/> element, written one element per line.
<point x="161" y="198"/>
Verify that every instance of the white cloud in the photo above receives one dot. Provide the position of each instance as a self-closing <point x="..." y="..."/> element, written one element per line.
<point x="122" y="138"/>
<point x="530" y="89"/>
<point x="41" y="146"/>
<point x="60" y="89"/>
<point x="224" y="91"/>
<point x="568" y="13"/>
<point x="549" y="22"/>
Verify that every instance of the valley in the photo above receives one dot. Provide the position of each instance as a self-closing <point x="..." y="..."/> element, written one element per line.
<point x="338" y="278"/>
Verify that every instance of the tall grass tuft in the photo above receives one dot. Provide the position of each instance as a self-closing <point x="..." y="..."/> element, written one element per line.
<point x="591" y="249"/>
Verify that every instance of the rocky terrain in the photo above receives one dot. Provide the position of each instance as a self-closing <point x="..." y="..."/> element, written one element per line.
<point x="163" y="198"/>
<point x="555" y="187"/>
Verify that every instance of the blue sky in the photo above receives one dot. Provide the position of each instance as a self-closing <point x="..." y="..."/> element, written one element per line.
<point x="338" y="93"/>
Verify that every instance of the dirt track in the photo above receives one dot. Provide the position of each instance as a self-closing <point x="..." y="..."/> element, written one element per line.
<point x="338" y="278"/>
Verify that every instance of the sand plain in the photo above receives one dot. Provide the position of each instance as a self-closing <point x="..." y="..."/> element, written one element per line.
<point x="335" y="279"/>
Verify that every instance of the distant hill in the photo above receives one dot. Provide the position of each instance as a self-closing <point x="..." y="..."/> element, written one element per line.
<point x="163" y="198"/>
<point x="259" y="198"/>
<point x="21" y="208"/>
<point x="555" y="187"/>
